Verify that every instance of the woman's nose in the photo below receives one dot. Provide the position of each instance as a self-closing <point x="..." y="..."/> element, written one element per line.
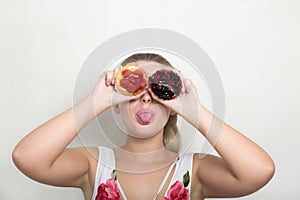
<point x="146" y="98"/>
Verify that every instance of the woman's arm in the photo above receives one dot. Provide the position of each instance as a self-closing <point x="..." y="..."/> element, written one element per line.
<point x="42" y="154"/>
<point x="243" y="168"/>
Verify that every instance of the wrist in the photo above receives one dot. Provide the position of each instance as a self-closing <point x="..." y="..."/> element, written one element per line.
<point x="99" y="105"/>
<point x="192" y="114"/>
<point x="205" y="120"/>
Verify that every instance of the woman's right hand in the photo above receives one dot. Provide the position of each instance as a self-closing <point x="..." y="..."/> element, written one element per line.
<point x="105" y="95"/>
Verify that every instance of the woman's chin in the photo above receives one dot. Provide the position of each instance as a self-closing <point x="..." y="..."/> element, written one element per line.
<point x="141" y="135"/>
<point x="144" y="132"/>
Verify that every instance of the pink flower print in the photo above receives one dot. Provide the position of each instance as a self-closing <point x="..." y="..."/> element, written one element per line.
<point x="177" y="192"/>
<point x="108" y="190"/>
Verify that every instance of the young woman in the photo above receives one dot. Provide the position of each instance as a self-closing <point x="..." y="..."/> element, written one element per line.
<point x="147" y="166"/>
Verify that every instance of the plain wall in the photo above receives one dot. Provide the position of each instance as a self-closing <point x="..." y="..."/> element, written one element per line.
<point x="253" y="44"/>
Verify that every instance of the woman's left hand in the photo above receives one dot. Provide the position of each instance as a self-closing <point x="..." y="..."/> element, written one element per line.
<point x="186" y="104"/>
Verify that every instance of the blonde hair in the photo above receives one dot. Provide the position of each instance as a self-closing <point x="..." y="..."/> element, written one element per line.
<point x="171" y="138"/>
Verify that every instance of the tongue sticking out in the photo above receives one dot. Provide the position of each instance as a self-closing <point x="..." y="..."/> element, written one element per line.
<point x="144" y="117"/>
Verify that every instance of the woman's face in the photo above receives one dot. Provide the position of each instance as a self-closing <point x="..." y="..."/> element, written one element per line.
<point x="144" y="117"/>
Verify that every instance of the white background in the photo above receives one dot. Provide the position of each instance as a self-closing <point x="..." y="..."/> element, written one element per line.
<point x="254" y="45"/>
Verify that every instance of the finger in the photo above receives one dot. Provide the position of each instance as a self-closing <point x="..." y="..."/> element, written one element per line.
<point x="109" y="78"/>
<point x="119" y="98"/>
<point x="178" y="72"/>
<point x="101" y="77"/>
<point x="173" y="104"/>
<point x="116" y="71"/>
<point x="138" y="95"/>
<point x="155" y="97"/>
<point x="134" y="64"/>
<point x="188" y="85"/>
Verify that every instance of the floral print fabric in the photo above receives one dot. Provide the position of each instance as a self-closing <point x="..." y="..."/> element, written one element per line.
<point x="110" y="190"/>
<point x="177" y="192"/>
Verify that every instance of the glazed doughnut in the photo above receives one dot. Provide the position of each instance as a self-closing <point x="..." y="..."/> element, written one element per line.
<point x="131" y="80"/>
<point x="165" y="84"/>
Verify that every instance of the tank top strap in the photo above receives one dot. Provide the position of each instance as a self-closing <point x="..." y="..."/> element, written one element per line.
<point x="107" y="157"/>
<point x="106" y="163"/>
<point x="184" y="167"/>
<point x="165" y="178"/>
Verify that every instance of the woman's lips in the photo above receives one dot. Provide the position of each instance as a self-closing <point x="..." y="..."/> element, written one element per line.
<point x="145" y="116"/>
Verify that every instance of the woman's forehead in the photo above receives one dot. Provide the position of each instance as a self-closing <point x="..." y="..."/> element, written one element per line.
<point x="151" y="66"/>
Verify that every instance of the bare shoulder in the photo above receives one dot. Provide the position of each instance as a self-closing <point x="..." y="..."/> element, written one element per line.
<point x="203" y="165"/>
<point x="208" y="168"/>
<point x="199" y="163"/>
<point x="202" y="162"/>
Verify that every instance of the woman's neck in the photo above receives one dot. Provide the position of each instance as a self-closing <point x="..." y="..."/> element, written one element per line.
<point x="144" y="145"/>
<point x="143" y="154"/>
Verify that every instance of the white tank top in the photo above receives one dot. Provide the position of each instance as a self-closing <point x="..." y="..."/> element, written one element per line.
<point x="107" y="187"/>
